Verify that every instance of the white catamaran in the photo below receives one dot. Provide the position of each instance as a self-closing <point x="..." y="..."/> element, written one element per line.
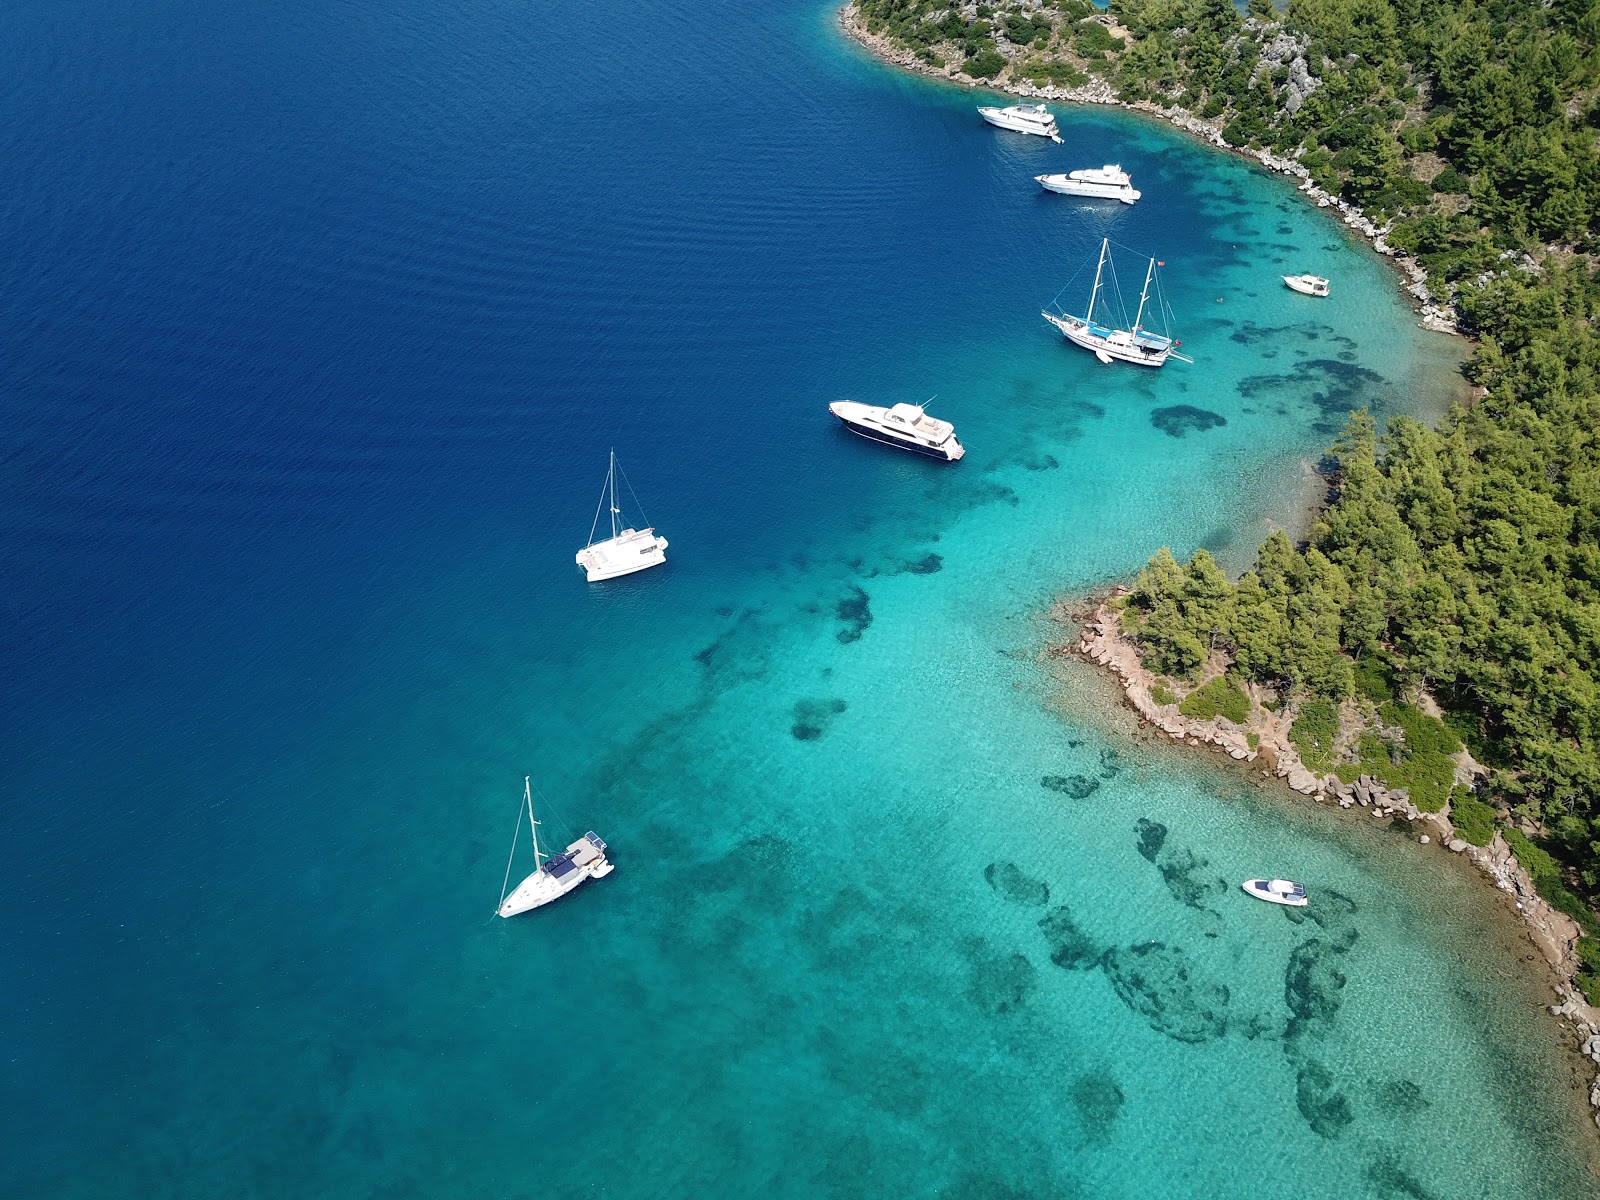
<point x="626" y="550"/>
<point x="1136" y="344"/>
<point x="554" y="875"/>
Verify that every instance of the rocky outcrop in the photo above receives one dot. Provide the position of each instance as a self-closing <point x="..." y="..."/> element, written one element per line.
<point x="1101" y="642"/>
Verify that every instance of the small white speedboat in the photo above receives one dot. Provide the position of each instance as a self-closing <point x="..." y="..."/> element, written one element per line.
<point x="1307" y="285"/>
<point x="1277" y="891"/>
<point x="1023" y="118"/>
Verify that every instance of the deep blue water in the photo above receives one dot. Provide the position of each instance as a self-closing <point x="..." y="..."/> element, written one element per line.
<point x="318" y="320"/>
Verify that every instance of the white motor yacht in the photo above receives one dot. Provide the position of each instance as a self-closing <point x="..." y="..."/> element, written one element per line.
<point x="904" y="425"/>
<point x="1307" y="285"/>
<point x="553" y="876"/>
<point x="1277" y="891"/>
<point x="627" y="550"/>
<point x="1109" y="182"/>
<point x="1023" y="118"/>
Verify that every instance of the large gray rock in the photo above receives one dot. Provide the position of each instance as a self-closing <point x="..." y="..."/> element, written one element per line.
<point x="1302" y="780"/>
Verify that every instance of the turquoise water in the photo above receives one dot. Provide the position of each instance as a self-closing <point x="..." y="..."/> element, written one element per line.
<point x="321" y="322"/>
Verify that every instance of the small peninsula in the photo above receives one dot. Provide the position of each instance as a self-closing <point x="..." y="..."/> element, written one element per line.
<point x="1428" y="652"/>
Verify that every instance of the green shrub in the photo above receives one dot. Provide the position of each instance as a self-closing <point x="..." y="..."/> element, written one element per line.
<point x="1473" y="819"/>
<point x="1424" y="734"/>
<point x="1449" y="181"/>
<point x="1162" y="694"/>
<point x="1220" y="697"/>
<point x="1546" y="877"/>
<point x="1093" y="39"/>
<point x="985" y="64"/>
<point x="1253" y="740"/>
<point x="1314" y="732"/>
<point x="1374" y="679"/>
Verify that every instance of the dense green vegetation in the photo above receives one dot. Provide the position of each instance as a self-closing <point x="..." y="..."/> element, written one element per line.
<point x="1463" y="562"/>
<point x="1219" y="698"/>
<point x="1470" y="123"/>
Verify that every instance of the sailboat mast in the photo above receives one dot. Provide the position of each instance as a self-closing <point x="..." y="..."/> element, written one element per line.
<point x="611" y="482"/>
<point x="1145" y="294"/>
<point x="1105" y="244"/>
<point x="527" y="795"/>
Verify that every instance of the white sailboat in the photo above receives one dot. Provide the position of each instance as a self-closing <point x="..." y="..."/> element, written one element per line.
<point x="627" y="550"/>
<point x="553" y="876"/>
<point x="1135" y="344"/>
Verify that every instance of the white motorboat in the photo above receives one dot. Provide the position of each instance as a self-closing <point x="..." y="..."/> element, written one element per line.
<point x="1277" y="891"/>
<point x="1307" y="285"/>
<point x="1134" y="344"/>
<point x="1023" y="118"/>
<point x="627" y="549"/>
<point x="553" y="876"/>
<point x="907" y="426"/>
<point x="1109" y="182"/>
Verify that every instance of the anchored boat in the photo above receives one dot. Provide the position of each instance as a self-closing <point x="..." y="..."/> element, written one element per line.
<point x="1307" y="285"/>
<point x="627" y="550"/>
<point x="1134" y="344"/>
<point x="1109" y="182"/>
<point x="906" y="426"/>
<point x="1277" y="891"/>
<point x="553" y="876"/>
<point x="1023" y="118"/>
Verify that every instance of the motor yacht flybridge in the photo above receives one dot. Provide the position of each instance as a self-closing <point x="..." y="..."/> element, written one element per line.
<point x="1134" y="344"/>
<point x="627" y="550"/>
<point x="1023" y="118"/>
<point x="907" y="426"/>
<point x="1109" y="182"/>
<point x="553" y="875"/>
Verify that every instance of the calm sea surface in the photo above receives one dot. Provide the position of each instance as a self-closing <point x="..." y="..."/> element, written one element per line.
<point x="318" y="318"/>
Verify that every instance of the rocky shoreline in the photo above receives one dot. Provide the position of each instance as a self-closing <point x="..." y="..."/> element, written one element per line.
<point x="1262" y="745"/>
<point x="1433" y="315"/>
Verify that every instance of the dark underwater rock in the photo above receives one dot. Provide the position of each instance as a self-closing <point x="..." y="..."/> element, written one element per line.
<point x="855" y="611"/>
<point x="1181" y="872"/>
<point x="1158" y="983"/>
<point x="1009" y="881"/>
<point x="1070" y="948"/>
<point x="928" y="564"/>
<point x="1325" y="1108"/>
<point x="1179" y="419"/>
<point x="812" y="718"/>
<point x="1313" y="981"/>
<point x="1152" y="836"/>
<point x="998" y="982"/>
<point x="1393" y="1182"/>
<point x="1099" y="1102"/>
<point x="1079" y="787"/>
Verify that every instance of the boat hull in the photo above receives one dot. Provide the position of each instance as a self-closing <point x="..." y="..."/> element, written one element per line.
<point x="1258" y="889"/>
<point x="625" y="554"/>
<point x="1089" y="191"/>
<point x="1080" y="334"/>
<point x="1296" y="284"/>
<point x="950" y="451"/>
<point x="999" y="120"/>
